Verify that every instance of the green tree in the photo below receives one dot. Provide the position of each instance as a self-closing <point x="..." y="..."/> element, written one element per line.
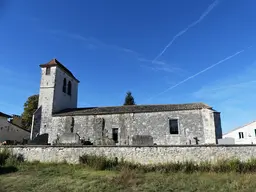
<point x="129" y="100"/>
<point x="30" y="107"/>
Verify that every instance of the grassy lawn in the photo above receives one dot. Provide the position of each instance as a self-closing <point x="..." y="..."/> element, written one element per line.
<point x="64" y="177"/>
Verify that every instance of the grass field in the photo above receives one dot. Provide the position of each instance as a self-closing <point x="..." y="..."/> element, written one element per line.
<point x="63" y="177"/>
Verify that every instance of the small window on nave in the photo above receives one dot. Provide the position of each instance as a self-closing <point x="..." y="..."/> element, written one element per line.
<point x="64" y="85"/>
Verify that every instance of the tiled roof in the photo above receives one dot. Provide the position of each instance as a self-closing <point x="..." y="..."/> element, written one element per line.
<point x="131" y="109"/>
<point x="55" y="62"/>
<point x="4" y="115"/>
<point x="19" y="127"/>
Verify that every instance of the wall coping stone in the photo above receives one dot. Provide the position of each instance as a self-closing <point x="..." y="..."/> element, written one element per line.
<point x="123" y="146"/>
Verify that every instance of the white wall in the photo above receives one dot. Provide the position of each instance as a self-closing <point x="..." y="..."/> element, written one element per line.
<point x="248" y="132"/>
<point x="63" y="100"/>
<point x="46" y="96"/>
<point x="9" y="131"/>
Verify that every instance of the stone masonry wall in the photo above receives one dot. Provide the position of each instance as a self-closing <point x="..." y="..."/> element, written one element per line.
<point x="46" y="95"/>
<point x="192" y="123"/>
<point x="62" y="100"/>
<point x="136" y="154"/>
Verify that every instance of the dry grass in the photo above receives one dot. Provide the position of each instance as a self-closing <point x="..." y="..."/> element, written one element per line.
<point x="63" y="177"/>
<point x="101" y="174"/>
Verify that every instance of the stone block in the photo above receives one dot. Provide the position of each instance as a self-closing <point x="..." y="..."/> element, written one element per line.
<point x="69" y="138"/>
<point x="142" y="140"/>
<point x="99" y="128"/>
<point x="39" y="140"/>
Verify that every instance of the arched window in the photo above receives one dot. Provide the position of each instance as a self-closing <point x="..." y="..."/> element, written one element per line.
<point x="69" y="88"/>
<point x="64" y="85"/>
<point x="48" y="71"/>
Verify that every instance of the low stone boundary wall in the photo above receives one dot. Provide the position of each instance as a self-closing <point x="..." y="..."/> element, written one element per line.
<point x="137" y="154"/>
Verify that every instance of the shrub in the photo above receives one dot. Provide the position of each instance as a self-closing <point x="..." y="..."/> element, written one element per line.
<point x="127" y="177"/>
<point x="14" y="160"/>
<point x="98" y="162"/>
<point x="235" y="165"/>
<point x="205" y="167"/>
<point x="4" y="155"/>
<point x="250" y="166"/>
<point x="9" y="159"/>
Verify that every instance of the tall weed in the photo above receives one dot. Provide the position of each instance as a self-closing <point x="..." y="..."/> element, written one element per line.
<point x="221" y="166"/>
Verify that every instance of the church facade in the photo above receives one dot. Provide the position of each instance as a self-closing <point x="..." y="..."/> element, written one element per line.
<point x="172" y="124"/>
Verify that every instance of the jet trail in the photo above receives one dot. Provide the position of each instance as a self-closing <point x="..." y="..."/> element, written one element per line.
<point x="205" y="13"/>
<point x="200" y="72"/>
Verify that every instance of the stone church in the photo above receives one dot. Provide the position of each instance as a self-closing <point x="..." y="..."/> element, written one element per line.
<point x="61" y="121"/>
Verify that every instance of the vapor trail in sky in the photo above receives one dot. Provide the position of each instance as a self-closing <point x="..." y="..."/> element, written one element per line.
<point x="204" y="14"/>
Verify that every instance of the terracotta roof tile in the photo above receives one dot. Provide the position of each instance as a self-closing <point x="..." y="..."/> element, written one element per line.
<point x="55" y="62"/>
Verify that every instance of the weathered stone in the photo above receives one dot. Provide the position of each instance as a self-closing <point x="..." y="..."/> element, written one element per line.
<point x="192" y="123"/>
<point x="142" y="140"/>
<point x="69" y="124"/>
<point x="69" y="138"/>
<point x="104" y="141"/>
<point x="40" y="140"/>
<point x="98" y="128"/>
<point x="142" y="154"/>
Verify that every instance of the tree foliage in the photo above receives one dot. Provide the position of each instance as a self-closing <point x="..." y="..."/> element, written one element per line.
<point x="129" y="100"/>
<point x="30" y="107"/>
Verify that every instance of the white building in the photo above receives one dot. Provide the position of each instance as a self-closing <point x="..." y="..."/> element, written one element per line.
<point x="243" y="135"/>
<point x="11" y="132"/>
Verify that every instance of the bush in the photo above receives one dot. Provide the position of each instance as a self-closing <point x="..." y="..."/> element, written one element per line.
<point x="250" y="166"/>
<point x="235" y="165"/>
<point x="9" y="159"/>
<point x="126" y="177"/>
<point x="4" y="155"/>
<point x="14" y="160"/>
<point x="98" y="162"/>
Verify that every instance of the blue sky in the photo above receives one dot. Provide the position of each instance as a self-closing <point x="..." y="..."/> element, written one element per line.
<point x="164" y="51"/>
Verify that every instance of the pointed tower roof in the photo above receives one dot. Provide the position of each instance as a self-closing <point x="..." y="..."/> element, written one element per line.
<point x="55" y="62"/>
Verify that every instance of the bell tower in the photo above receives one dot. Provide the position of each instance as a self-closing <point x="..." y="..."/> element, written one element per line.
<point x="58" y="91"/>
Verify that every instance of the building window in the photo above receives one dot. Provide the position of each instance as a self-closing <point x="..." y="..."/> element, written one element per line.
<point x="115" y="134"/>
<point x="241" y="135"/>
<point x="69" y="88"/>
<point x="48" y="71"/>
<point x="173" y="126"/>
<point x="64" y="85"/>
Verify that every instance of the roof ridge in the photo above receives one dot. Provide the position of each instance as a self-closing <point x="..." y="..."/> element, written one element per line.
<point x="240" y="127"/>
<point x="142" y="105"/>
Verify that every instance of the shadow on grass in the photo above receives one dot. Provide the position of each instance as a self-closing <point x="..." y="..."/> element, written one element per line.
<point x="9" y="169"/>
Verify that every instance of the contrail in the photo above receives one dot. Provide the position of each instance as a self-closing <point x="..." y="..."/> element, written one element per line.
<point x="206" y="69"/>
<point x="205" y="13"/>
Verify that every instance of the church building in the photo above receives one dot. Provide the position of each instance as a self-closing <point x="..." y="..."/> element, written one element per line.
<point x="59" y="118"/>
